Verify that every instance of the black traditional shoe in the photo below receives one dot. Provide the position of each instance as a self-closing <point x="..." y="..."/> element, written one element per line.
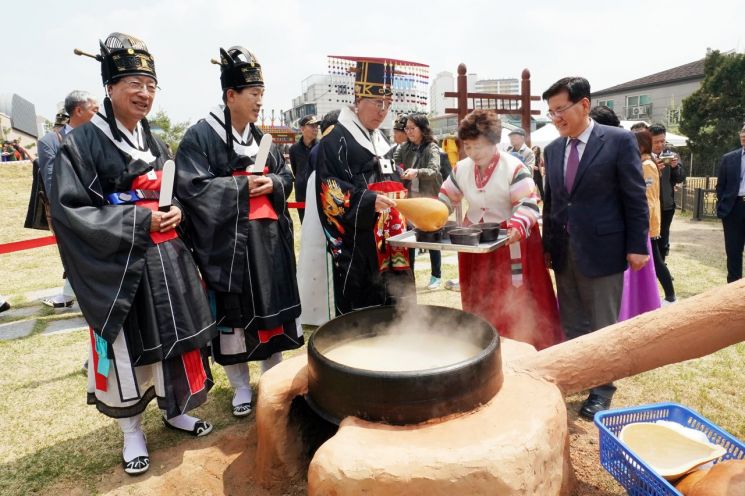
<point x="137" y="465"/>
<point x="5" y="306"/>
<point x="242" y="410"/>
<point x="592" y="405"/>
<point x="201" y="428"/>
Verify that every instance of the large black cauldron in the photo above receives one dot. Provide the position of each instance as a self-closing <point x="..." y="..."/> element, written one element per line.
<point x="336" y="391"/>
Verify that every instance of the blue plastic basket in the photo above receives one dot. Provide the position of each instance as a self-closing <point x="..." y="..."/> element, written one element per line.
<point x="632" y="473"/>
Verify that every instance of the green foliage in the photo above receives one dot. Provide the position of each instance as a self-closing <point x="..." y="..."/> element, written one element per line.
<point x="170" y="133"/>
<point x="713" y="115"/>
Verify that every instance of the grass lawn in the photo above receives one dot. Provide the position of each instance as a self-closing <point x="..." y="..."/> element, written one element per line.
<point x="52" y="438"/>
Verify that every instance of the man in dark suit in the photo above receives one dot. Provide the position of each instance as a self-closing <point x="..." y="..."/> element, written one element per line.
<point x="595" y="216"/>
<point x="731" y="206"/>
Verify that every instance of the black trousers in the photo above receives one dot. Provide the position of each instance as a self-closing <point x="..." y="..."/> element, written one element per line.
<point x="538" y="179"/>
<point x="734" y="240"/>
<point x="435" y="259"/>
<point x="667" y="219"/>
<point x="660" y="268"/>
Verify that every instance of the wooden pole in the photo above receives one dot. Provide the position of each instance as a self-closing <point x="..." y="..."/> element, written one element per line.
<point x="525" y="110"/>
<point x="462" y="102"/>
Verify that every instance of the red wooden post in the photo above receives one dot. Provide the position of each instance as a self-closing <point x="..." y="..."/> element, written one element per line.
<point x="462" y="92"/>
<point x="462" y="103"/>
<point x="525" y="99"/>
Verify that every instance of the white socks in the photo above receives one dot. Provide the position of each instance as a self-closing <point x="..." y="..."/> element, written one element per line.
<point x="186" y="422"/>
<point x="239" y="378"/>
<point x="134" y="438"/>
<point x="271" y="362"/>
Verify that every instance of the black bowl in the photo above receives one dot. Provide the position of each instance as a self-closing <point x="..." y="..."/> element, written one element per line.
<point x="449" y="226"/>
<point x="428" y="236"/>
<point x="489" y="231"/>
<point x="465" y="236"/>
<point x="336" y="391"/>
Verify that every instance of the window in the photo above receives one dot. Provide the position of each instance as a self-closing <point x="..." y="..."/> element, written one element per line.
<point x="607" y="103"/>
<point x="638" y="107"/>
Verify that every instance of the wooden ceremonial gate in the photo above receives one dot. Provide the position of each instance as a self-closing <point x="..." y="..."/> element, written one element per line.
<point x="496" y="102"/>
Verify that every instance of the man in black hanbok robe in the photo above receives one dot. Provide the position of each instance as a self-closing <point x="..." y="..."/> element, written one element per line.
<point x="135" y="280"/>
<point x="239" y="228"/>
<point x="357" y="188"/>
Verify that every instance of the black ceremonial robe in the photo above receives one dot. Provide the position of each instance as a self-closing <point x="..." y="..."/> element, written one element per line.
<point x="143" y="300"/>
<point x="248" y="265"/>
<point x="367" y="271"/>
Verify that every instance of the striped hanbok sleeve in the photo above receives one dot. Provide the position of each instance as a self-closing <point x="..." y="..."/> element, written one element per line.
<point x="450" y="193"/>
<point x="524" y="199"/>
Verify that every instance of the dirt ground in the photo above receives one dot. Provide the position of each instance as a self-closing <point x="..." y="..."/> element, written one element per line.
<point x="222" y="463"/>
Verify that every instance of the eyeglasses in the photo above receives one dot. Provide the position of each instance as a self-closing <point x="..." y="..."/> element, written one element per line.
<point x="555" y="114"/>
<point x="382" y="105"/>
<point x="134" y="85"/>
<point x="412" y="128"/>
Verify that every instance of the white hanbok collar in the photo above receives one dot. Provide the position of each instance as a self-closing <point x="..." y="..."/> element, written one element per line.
<point x="133" y="144"/>
<point x="243" y="144"/>
<point x="374" y="142"/>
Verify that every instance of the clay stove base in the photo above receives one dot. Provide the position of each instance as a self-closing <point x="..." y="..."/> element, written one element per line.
<point x="517" y="444"/>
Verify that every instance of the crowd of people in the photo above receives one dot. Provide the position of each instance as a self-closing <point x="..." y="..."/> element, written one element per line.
<point x="13" y="151"/>
<point x="171" y="268"/>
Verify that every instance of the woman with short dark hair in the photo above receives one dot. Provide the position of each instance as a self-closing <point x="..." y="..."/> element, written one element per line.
<point x="419" y="157"/>
<point x="510" y="287"/>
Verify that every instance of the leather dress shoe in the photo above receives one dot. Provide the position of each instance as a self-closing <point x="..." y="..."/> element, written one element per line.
<point x="592" y="405"/>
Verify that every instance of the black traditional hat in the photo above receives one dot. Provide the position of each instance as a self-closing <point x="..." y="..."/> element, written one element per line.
<point x="400" y="122"/>
<point x="124" y="55"/>
<point x="239" y="69"/>
<point x="373" y="78"/>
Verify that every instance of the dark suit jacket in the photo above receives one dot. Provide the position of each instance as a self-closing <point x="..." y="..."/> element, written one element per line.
<point x="728" y="182"/>
<point x="606" y="213"/>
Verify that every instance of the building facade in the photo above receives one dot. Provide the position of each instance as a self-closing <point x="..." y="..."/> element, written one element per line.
<point x="18" y="120"/>
<point x="653" y="98"/>
<point x="442" y="83"/>
<point x="322" y="93"/>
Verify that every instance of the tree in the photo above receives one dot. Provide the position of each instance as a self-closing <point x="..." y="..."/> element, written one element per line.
<point x="712" y="116"/>
<point x="169" y="132"/>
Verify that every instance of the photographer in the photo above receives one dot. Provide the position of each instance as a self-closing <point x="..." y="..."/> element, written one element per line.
<point x="671" y="173"/>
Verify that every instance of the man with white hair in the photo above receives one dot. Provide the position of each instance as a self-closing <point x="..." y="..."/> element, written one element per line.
<point x="80" y="106"/>
<point x="356" y="188"/>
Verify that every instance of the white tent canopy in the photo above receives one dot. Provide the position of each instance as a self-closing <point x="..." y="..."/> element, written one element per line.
<point x="548" y="133"/>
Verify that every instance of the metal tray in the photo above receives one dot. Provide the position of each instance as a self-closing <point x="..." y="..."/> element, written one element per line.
<point x="408" y="240"/>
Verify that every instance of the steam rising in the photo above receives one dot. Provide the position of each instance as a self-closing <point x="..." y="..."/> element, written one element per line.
<point x="416" y="339"/>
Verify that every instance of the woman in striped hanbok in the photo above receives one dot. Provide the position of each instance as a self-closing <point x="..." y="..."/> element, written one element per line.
<point x="510" y="287"/>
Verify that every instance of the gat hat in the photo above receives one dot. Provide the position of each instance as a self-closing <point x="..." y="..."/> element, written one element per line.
<point x="373" y="78"/>
<point x="400" y="123"/>
<point x="239" y="69"/>
<point x="309" y="120"/>
<point x="125" y="55"/>
<point x="518" y="131"/>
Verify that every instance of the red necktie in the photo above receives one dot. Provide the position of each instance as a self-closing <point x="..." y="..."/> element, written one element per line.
<point x="572" y="165"/>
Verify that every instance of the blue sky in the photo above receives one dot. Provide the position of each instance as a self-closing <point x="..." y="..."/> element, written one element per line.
<point x="607" y="42"/>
